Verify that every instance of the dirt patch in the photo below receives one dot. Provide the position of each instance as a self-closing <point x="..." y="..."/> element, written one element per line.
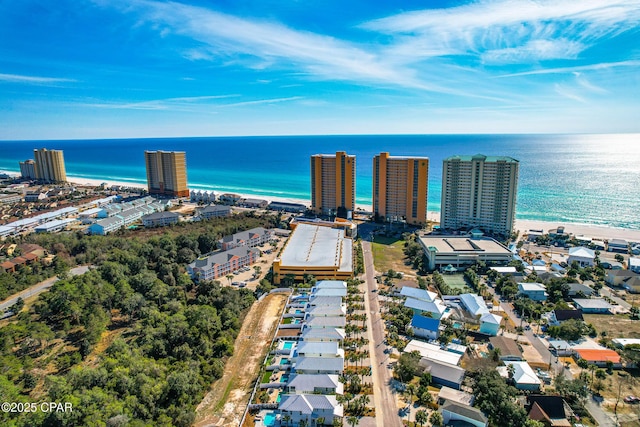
<point x="227" y="400"/>
<point x="619" y="325"/>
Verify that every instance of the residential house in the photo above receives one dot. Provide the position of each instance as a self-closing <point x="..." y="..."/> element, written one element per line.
<point x="550" y="410"/>
<point x="213" y="211"/>
<point x="255" y="237"/>
<point x="318" y="365"/>
<point x="508" y="348"/>
<point x="229" y="198"/>
<point x="634" y="264"/>
<point x="323" y="334"/>
<point x="627" y="279"/>
<point x="593" y="305"/>
<point x="253" y="203"/>
<point x="106" y="225"/>
<point x="443" y="374"/>
<point x="523" y="376"/>
<point x="474" y="304"/>
<point x="327" y="311"/>
<point x="325" y="322"/>
<point x="160" y="219"/>
<point x="319" y="349"/>
<point x="490" y="324"/>
<point x="314" y="384"/>
<point x="560" y="348"/>
<point x="623" y="342"/>
<point x="330" y="284"/>
<point x="287" y="207"/>
<point x="457" y="396"/>
<point x="309" y="408"/>
<point x="329" y="292"/>
<point x="453" y="412"/>
<point x="435" y="308"/>
<point x="220" y="264"/>
<point x="576" y="289"/>
<point x="599" y="357"/>
<point x="618" y="245"/>
<point x="419" y="294"/>
<point x="425" y="327"/>
<point x="317" y="301"/>
<point x="558" y="316"/>
<point x="534" y="291"/>
<point x="433" y="352"/>
<point x="585" y="257"/>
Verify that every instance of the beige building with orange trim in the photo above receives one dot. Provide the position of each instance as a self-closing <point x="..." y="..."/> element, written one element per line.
<point x="167" y="173"/>
<point x="400" y="188"/>
<point x="333" y="183"/>
<point x="49" y="165"/>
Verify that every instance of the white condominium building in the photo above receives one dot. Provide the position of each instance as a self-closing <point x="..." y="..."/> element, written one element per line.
<point x="479" y="192"/>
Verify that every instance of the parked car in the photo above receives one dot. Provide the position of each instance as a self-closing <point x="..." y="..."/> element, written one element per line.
<point x="631" y="399"/>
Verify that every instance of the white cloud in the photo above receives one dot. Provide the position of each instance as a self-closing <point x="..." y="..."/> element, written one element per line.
<point x="36" y="80"/>
<point x="508" y="29"/>
<point x="577" y="68"/>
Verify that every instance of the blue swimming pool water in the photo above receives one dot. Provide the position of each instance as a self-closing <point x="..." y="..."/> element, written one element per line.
<point x="279" y="398"/>
<point x="299" y="312"/>
<point x="284" y="361"/>
<point x="270" y="419"/>
<point x="288" y="345"/>
<point x="283" y="379"/>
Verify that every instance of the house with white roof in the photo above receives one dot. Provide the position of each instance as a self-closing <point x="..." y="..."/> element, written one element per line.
<point x="310" y="408"/>
<point x="585" y="257"/>
<point x="534" y="291"/>
<point x="435" y="308"/>
<point x="323" y="334"/>
<point x="523" y="376"/>
<point x="490" y="324"/>
<point x="634" y="264"/>
<point x="314" y="384"/>
<point x="325" y="322"/>
<point x="474" y="304"/>
<point x="433" y="352"/>
<point x="329" y="292"/>
<point x="327" y="311"/>
<point x="330" y="284"/>
<point x="319" y="365"/>
<point x="319" y="349"/>
<point x="419" y="294"/>
<point x="623" y="342"/>
<point x="593" y="305"/>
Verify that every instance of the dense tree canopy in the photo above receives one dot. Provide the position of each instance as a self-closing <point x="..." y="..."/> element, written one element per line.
<point x="132" y="342"/>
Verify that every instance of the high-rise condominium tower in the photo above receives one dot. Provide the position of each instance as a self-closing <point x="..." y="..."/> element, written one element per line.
<point x="167" y="173"/>
<point x="28" y="169"/>
<point x="479" y="192"/>
<point x="49" y="165"/>
<point x="400" y="187"/>
<point x="333" y="183"/>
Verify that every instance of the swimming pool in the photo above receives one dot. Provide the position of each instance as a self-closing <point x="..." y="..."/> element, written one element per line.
<point x="269" y="419"/>
<point x="283" y="379"/>
<point x="299" y="311"/>
<point x="288" y="345"/>
<point x="279" y="398"/>
<point x="284" y="361"/>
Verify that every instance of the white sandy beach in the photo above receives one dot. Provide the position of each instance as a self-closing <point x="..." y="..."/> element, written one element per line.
<point x="593" y="231"/>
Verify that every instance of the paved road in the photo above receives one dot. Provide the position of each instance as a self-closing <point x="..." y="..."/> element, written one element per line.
<point x="39" y="288"/>
<point x="383" y="397"/>
<point x="605" y="291"/>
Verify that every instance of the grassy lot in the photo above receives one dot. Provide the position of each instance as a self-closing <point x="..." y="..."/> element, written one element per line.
<point x="388" y="254"/>
<point x="456" y="281"/>
<point x="617" y="326"/>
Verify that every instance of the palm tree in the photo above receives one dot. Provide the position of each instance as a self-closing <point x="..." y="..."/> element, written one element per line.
<point x="319" y="421"/>
<point x="436" y="418"/>
<point x="421" y="417"/>
<point x="411" y="391"/>
<point x="229" y="277"/>
<point x="286" y="418"/>
<point x="352" y="420"/>
<point x="257" y="270"/>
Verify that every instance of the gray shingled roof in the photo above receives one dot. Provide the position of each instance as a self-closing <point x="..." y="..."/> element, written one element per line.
<point x="464" y="410"/>
<point x="222" y="257"/>
<point x="306" y="403"/>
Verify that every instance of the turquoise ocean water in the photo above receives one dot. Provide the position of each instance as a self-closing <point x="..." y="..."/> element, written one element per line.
<point x="592" y="179"/>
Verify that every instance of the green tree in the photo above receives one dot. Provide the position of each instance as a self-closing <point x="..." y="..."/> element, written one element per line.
<point x="421" y="417"/>
<point x="436" y="419"/>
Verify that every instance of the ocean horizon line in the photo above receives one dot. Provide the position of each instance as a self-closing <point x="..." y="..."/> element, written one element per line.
<point x="320" y="136"/>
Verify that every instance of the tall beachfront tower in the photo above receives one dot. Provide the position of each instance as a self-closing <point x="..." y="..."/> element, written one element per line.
<point x="167" y="173"/>
<point x="333" y="184"/>
<point x="28" y="169"/>
<point x="479" y="192"/>
<point x="400" y="187"/>
<point x="49" y="165"/>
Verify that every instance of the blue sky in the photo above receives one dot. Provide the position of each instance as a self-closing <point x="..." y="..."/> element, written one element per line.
<point x="145" y="68"/>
